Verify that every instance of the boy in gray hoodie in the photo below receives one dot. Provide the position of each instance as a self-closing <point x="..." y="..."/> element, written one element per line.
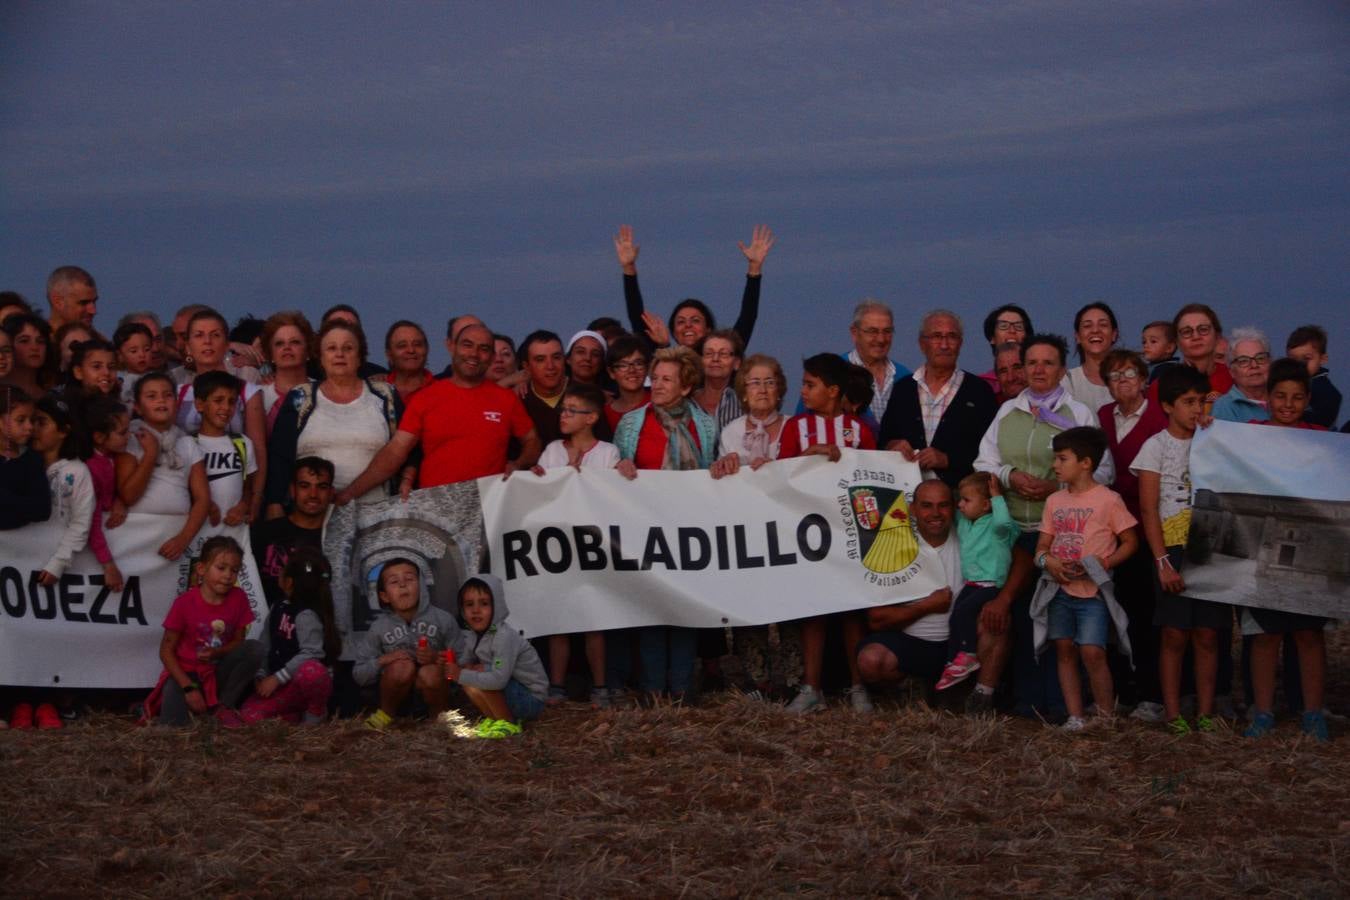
<point x="498" y="669"/>
<point x="405" y="645"/>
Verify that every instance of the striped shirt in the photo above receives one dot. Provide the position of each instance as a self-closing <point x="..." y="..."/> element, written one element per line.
<point x="801" y="431"/>
<point x="934" y="406"/>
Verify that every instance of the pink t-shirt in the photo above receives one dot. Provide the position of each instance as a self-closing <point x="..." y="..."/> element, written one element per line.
<point x="201" y="624"/>
<point x="1085" y="525"/>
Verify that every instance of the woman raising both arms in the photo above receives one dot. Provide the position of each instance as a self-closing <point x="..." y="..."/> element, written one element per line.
<point x="691" y="319"/>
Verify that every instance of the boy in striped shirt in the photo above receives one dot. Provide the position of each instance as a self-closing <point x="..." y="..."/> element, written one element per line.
<point x="821" y="431"/>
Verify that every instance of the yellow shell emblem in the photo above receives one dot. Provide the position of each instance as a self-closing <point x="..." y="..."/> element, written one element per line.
<point x="1176" y="528"/>
<point x="895" y="546"/>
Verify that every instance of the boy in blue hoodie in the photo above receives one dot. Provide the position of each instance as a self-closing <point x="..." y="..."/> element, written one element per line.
<point x="498" y="669"/>
<point x="405" y="645"/>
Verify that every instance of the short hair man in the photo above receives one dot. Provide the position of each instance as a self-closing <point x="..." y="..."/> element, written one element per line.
<point x="73" y="297"/>
<point x="937" y="417"/>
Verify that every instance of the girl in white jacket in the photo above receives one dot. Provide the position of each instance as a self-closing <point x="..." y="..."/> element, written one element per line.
<point x="71" y="487"/>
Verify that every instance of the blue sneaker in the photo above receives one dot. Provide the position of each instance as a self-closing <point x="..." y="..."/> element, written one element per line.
<point x="1263" y="723"/>
<point x="1315" y="726"/>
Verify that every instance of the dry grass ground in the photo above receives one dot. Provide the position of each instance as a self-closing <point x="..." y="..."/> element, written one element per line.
<point x="729" y="799"/>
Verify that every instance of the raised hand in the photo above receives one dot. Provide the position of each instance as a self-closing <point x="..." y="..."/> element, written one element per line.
<point x="656" y="328"/>
<point x="761" y="242"/>
<point x="626" y="250"/>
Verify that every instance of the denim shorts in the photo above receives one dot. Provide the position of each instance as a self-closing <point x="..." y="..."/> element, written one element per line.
<point x="524" y="706"/>
<point x="1085" y="621"/>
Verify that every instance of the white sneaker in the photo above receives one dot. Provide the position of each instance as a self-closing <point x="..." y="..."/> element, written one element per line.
<point x="1148" y="711"/>
<point x="1074" y="724"/>
<point x="808" y="699"/>
<point x="862" y="703"/>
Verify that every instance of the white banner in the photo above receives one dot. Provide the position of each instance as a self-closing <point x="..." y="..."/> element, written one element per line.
<point x="80" y="634"/>
<point x="1270" y="520"/>
<point x="590" y="550"/>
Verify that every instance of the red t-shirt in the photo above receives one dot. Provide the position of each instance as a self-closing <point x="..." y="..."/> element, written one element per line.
<point x="651" y="446"/>
<point x="1306" y="426"/>
<point x="1220" y="383"/>
<point x="612" y="415"/>
<point x="464" y="432"/>
<point x="805" y="429"/>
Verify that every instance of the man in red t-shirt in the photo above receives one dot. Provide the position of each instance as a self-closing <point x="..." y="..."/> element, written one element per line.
<point x="463" y="424"/>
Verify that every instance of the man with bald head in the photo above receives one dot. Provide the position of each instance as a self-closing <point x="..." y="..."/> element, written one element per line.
<point x="73" y="297"/>
<point x="463" y="424"/>
<point x="938" y="416"/>
<point x="911" y="638"/>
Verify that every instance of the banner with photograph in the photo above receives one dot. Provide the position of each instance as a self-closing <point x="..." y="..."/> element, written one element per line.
<point x="1270" y="520"/>
<point x="79" y="633"/>
<point x="589" y="550"/>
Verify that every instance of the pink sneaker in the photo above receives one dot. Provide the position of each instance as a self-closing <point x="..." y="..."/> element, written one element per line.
<point x="958" y="670"/>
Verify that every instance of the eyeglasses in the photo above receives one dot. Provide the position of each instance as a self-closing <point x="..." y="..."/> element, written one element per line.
<point x="1246" y="362"/>
<point x="1195" y="331"/>
<point x="1005" y="325"/>
<point x="575" y="411"/>
<point x="628" y="365"/>
<point x="876" y="332"/>
<point x="756" y="383"/>
<point x="718" y="354"/>
<point x="1123" y="375"/>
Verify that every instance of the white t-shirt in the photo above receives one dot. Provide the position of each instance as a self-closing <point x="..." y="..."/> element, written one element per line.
<point x="167" y="494"/>
<point x="225" y="471"/>
<point x="934" y="627"/>
<point x="603" y="455"/>
<point x="1170" y="457"/>
<point x="348" y="435"/>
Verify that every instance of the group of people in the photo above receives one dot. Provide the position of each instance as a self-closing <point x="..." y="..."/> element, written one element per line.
<point x="1057" y="498"/>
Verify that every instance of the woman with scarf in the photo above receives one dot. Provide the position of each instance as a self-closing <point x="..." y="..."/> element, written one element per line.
<point x="670" y="433"/>
<point x="1016" y="449"/>
<point x="752" y="439"/>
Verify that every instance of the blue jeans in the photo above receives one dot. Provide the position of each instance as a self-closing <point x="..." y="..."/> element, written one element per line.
<point x="524" y="706"/>
<point x="667" y="657"/>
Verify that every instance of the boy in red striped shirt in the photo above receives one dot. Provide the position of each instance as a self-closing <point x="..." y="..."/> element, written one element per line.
<point x="822" y="430"/>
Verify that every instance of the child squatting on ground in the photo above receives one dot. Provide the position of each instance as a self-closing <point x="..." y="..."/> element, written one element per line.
<point x="497" y="668"/>
<point x="207" y="663"/>
<point x="299" y="646"/>
<point x="1086" y="531"/>
<point x="406" y="644"/>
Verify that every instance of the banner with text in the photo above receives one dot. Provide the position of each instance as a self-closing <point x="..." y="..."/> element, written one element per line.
<point x="1270" y="520"/>
<point x="589" y="550"/>
<point x="78" y="633"/>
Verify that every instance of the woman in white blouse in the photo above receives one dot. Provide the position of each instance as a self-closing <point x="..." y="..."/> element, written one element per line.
<point x="752" y="439"/>
<point x="345" y="419"/>
<point x="1096" y="333"/>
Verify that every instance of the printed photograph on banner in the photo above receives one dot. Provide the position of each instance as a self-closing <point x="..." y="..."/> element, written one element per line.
<point x="1269" y="520"/>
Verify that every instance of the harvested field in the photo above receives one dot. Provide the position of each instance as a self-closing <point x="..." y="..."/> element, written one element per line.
<point x="728" y="799"/>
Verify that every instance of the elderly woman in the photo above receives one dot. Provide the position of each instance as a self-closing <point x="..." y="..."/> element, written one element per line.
<point x="1246" y="399"/>
<point x="1016" y="449"/>
<point x="1128" y="421"/>
<point x="405" y="346"/>
<point x="721" y="351"/>
<point x="670" y="433"/>
<point x="1008" y="324"/>
<point x="345" y="419"/>
<point x="34" y="368"/>
<point x="1095" y="330"/>
<point x="752" y="439"/>
<point x="288" y="344"/>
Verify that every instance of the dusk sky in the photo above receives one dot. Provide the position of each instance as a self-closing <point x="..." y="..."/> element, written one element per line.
<point x="421" y="160"/>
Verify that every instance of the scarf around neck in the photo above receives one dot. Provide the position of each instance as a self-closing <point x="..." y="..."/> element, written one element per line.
<point x="168" y="444"/>
<point x="681" y="451"/>
<point x="756" y="442"/>
<point x="1043" y="407"/>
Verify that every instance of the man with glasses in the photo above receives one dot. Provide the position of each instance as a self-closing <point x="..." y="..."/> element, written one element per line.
<point x="938" y="416"/>
<point x="1250" y="365"/>
<point x="872" y="331"/>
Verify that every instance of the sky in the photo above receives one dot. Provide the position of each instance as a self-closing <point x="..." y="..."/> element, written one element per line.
<point x="424" y="160"/>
